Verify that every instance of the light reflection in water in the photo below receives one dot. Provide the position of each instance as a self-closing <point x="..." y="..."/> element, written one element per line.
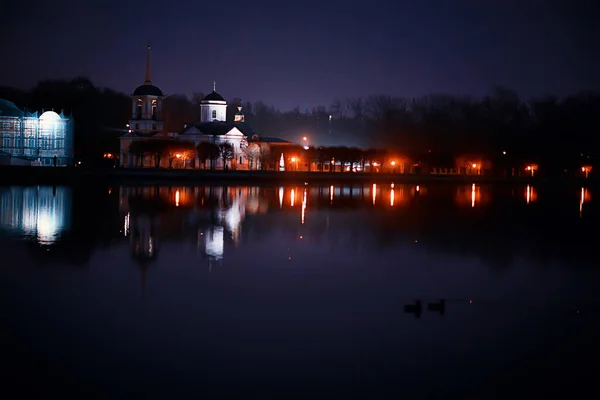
<point x="303" y="206"/>
<point x="126" y="224"/>
<point x="584" y="198"/>
<point x="392" y="197"/>
<point x="177" y="198"/>
<point x="292" y="197"/>
<point x="530" y="194"/>
<point x="473" y="196"/>
<point x="281" y="197"/>
<point x="331" y="193"/>
<point x="374" y="193"/>
<point x="40" y="212"/>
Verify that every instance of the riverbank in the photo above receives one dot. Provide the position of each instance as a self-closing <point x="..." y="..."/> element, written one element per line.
<point x="11" y="175"/>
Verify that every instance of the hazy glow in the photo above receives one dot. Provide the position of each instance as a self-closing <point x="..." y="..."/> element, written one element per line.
<point x="528" y="195"/>
<point x="473" y="196"/>
<point x="177" y="198"/>
<point x="417" y="188"/>
<point x="48" y="122"/>
<point x="49" y="116"/>
<point x="292" y="197"/>
<point x="392" y="198"/>
<point x="374" y="193"/>
<point x="47" y="226"/>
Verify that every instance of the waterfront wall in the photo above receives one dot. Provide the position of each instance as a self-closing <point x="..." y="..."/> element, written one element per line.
<point x="75" y="175"/>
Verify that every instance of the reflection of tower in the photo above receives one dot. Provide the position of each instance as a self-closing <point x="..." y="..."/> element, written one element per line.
<point x="143" y="239"/>
<point x="144" y="244"/>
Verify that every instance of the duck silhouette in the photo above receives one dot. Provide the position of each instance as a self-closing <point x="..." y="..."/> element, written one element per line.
<point x="415" y="309"/>
<point x="439" y="307"/>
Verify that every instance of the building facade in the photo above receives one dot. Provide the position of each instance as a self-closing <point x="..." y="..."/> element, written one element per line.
<point x="146" y="125"/>
<point x="27" y="138"/>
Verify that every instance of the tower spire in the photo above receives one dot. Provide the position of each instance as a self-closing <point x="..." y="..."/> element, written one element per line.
<point x="148" y="81"/>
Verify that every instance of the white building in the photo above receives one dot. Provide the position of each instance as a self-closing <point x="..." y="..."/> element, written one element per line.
<point x="27" y="139"/>
<point x="146" y="124"/>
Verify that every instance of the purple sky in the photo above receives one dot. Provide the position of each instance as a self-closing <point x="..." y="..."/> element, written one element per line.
<point x="310" y="52"/>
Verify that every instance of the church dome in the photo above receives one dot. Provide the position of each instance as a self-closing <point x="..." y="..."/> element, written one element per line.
<point x="50" y="116"/>
<point x="147" y="90"/>
<point x="9" y="109"/>
<point x="214" y="96"/>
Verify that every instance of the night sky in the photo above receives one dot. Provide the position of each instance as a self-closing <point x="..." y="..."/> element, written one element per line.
<point x="309" y="52"/>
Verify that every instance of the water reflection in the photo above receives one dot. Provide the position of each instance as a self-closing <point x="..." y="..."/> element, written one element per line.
<point x="41" y="212"/>
<point x="239" y="272"/>
<point x="476" y="219"/>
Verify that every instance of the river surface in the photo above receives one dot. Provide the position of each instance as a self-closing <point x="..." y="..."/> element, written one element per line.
<point x="198" y="291"/>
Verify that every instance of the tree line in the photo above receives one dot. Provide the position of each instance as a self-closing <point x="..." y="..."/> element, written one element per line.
<point x="555" y="132"/>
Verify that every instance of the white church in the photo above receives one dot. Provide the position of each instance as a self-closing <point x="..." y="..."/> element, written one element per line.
<point x="146" y="124"/>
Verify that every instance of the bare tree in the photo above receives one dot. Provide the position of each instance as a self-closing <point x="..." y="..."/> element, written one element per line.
<point x="357" y="108"/>
<point x="253" y="152"/>
<point x="226" y="153"/>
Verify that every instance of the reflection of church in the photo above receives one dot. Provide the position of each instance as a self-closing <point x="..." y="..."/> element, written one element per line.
<point x="41" y="212"/>
<point x="214" y="214"/>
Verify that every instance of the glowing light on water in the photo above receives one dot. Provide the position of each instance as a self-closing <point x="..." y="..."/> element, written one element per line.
<point x="47" y="226"/>
<point x="126" y="225"/>
<point x="417" y="188"/>
<point x="374" y="193"/>
<point x="303" y="206"/>
<point x="331" y="193"/>
<point x="177" y="198"/>
<point x="292" y="197"/>
<point x="528" y="195"/>
<point x="392" y="198"/>
<point x="473" y="196"/>
<point x="281" y="197"/>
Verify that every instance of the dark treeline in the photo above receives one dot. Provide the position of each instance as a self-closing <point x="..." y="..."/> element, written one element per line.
<point x="551" y="131"/>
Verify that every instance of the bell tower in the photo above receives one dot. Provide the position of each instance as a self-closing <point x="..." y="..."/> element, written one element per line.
<point x="146" y="107"/>
<point x="213" y="108"/>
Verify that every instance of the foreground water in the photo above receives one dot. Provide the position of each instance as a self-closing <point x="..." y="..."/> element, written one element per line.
<point x="157" y="292"/>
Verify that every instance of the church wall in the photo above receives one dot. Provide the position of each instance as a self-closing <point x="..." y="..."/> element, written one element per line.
<point x="206" y="111"/>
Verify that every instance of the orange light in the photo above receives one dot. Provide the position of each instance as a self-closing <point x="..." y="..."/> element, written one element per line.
<point x="393" y="162"/>
<point x="583" y="169"/>
<point x="474" y="165"/>
<point x="178" y="155"/>
<point x="293" y="159"/>
<point x="304" y="138"/>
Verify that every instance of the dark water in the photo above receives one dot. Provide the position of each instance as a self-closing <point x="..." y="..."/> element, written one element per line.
<point x="160" y="292"/>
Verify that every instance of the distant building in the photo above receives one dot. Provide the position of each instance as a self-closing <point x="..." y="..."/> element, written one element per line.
<point x="213" y="127"/>
<point x="27" y="139"/>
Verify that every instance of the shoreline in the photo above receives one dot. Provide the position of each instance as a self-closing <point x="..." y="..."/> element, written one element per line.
<point x="18" y="175"/>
